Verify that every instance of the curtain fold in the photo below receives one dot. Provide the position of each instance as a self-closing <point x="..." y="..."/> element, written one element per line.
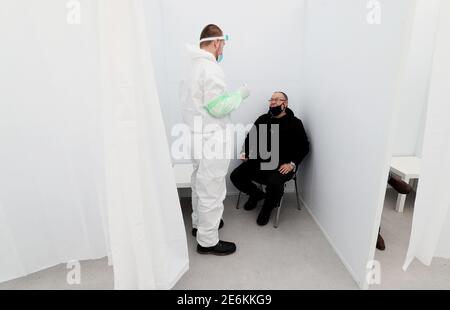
<point x="50" y="138"/>
<point x="148" y="240"/>
<point x="430" y="235"/>
<point x="86" y="172"/>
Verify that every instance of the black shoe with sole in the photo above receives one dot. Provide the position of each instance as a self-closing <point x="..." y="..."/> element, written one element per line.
<point x="194" y="230"/>
<point x="253" y="200"/>
<point x="264" y="215"/>
<point x="222" y="248"/>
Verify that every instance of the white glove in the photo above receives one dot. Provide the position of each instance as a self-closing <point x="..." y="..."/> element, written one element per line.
<point x="245" y="91"/>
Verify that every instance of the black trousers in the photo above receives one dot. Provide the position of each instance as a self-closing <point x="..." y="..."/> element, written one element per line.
<point x="244" y="176"/>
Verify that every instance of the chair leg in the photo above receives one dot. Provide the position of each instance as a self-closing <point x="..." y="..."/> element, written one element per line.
<point x="277" y="219"/>
<point x="296" y="195"/>
<point x="239" y="200"/>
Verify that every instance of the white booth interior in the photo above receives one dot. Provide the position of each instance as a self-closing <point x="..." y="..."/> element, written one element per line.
<point x="363" y="88"/>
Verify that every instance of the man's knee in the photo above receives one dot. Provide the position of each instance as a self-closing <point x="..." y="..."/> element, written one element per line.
<point x="276" y="183"/>
<point x="235" y="175"/>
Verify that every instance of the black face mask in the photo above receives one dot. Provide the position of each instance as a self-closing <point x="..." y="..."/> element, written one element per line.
<point x="276" y="111"/>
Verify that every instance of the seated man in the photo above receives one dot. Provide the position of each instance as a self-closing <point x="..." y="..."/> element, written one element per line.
<point x="293" y="146"/>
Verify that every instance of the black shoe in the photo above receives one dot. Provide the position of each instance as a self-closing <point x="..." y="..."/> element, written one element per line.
<point x="253" y="200"/>
<point x="220" y="249"/>
<point x="194" y="230"/>
<point x="264" y="215"/>
<point x="380" y="243"/>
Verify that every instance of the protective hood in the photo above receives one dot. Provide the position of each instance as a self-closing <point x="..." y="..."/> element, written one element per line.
<point x="196" y="52"/>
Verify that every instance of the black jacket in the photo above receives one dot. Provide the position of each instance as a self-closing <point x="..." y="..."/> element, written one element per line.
<point x="294" y="144"/>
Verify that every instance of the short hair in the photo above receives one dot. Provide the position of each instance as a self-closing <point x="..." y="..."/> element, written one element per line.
<point x="284" y="95"/>
<point x="210" y="31"/>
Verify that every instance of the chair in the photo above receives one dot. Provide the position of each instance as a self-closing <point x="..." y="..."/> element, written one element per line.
<point x="280" y="204"/>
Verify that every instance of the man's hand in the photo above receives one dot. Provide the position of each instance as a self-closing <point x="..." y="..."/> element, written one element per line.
<point x="243" y="157"/>
<point x="286" y="169"/>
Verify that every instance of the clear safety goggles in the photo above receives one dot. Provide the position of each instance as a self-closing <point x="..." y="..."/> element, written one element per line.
<point x="225" y="38"/>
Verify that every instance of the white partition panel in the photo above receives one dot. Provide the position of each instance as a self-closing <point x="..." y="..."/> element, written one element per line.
<point x="354" y="51"/>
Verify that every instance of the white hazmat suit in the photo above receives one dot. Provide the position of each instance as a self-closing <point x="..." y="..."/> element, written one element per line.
<point x="206" y="109"/>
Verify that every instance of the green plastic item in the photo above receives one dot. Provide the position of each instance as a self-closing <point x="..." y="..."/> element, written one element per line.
<point x="224" y="105"/>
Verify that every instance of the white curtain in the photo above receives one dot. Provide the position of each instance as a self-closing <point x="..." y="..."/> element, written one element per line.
<point x="84" y="169"/>
<point x="148" y="243"/>
<point x="431" y="224"/>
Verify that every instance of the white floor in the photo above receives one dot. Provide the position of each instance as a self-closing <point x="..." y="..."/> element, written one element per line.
<point x="296" y="256"/>
<point x="396" y="231"/>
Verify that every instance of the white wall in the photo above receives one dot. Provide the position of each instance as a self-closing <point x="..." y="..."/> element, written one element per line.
<point x="411" y="116"/>
<point x="264" y="50"/>
<point x="351" y="72"/>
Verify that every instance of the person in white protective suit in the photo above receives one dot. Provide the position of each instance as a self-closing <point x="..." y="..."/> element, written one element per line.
<point x="206" y="109"/>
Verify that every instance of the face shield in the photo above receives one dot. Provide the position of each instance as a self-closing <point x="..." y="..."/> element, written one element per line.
<point x="224" y="38"/>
